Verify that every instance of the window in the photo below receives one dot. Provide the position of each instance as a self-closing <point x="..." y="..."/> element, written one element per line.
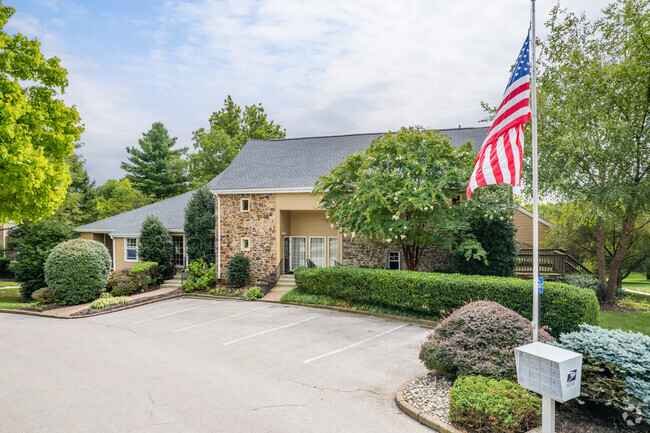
<point x="179" y="251"/>
<point x="131" y="250"/>
<point x="393" y="260"/>
<point x="317" y="251"/>
<point x="333" y="251"/>
<point x="245" y="205"/>
<point x="245" y="244"/>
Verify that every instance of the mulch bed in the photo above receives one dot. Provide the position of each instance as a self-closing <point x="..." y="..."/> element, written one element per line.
<point x="613" y="307"/>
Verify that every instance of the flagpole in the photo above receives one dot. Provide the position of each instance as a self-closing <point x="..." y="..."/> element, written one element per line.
<point x="533" y="103"/>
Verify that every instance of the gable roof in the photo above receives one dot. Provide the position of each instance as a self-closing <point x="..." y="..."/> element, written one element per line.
<point x="170" y="211"/>
<point x="294" y="164"/>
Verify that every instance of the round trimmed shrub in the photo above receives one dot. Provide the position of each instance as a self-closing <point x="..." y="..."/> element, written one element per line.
<point x="239" y="270"/>
<point x="77" y="271"/>
<point x="478" y="338"/>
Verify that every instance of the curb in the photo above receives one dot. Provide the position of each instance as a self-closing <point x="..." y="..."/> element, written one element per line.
<point x="422" y="322"/>
<point x="422" y="417"/>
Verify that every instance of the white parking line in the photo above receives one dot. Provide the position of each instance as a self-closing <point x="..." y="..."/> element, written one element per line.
<point x="175" y="312"/>
<point x="355" y="344"/>
<point x="270" y="330"/>
<point x="222" y="318"/>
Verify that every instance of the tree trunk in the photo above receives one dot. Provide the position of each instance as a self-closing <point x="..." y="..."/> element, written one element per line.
<point x="601" y="266"/>
<point x="624" y="241"/>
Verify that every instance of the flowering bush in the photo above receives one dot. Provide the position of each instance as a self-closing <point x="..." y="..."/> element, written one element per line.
<point x="478" y="338"/>
<point x="202" y="276"/>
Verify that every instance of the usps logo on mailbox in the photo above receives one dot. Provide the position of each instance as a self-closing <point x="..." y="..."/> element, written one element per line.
<point x="571" y="377"/>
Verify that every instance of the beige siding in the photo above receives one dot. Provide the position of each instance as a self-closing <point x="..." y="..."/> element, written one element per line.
<point x="88" y="236"/>
<point x="524" y="233"/>
<point x="310" y="223"/>
<point x="120" y="263"/>
<point x="297" y="201"/>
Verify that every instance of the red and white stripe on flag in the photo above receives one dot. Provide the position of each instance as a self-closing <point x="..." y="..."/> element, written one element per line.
<point x="500" y="157"/>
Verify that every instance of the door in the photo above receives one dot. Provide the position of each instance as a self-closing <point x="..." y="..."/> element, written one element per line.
<point x="179" y="251"/>
<point x="333" y="251"/>
<point x="317" y="251"/>
<point x="298" y="252"/>
<point x="287" y="255"/>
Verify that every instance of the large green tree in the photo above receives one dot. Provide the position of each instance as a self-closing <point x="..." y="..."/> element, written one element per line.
<point x="154" y="167"/>
<point x="199" y="226"/>
<point x="594" y="125"/>
<point x="37" y="130"/>
<point x="80" y="204"/>
<point x="116" y="197"/>
<point x="156" y="246"/>
<point x="404" y="189"/>
<point x="230" y="128"/>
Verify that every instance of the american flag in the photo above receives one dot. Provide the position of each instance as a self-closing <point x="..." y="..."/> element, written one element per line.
<point x="499" y="160"/>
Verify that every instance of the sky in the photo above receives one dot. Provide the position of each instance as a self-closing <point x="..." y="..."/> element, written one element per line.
<point x="319" y="67"/>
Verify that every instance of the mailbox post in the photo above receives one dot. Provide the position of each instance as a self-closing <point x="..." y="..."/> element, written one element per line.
<point x="551" y="371"/>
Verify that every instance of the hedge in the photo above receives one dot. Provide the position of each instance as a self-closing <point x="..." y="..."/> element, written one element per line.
<point x="562" y="307"/>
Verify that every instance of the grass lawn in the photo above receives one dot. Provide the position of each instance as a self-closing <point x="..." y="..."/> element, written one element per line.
<point x="9" y="283"/>
<point x="637" y="281"/>
<point x="10" y="299"/>
<point x="636" y="322"/>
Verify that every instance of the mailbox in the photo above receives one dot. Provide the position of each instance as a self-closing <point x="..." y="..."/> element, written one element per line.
<point x="549" y="370"/>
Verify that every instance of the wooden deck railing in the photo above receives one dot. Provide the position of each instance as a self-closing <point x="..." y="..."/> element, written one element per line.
<point x="551" y="262"/>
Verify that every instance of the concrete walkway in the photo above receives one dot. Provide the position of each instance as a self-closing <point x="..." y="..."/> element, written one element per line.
<point x="285" y="283"/>
<point x="635" y="291"/>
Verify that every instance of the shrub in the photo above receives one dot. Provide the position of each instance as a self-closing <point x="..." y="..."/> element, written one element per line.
<point x="199" y="226"/>
<point x="144" y="274"/>
<point x="616" y="369"/>
<point x="202" y="276"/>
<point x="253" y="293"/>
<point x="239" y="270"/>
<point x="478" y="338"/>
<point x="156" y="246"/>
<point x="584" y="281"/>
<point x="77" y="271"/>
<point x="562" y="307"/>
<point x="106" y="300"/>
<point x="5" y="272"/>
<point x="33" y="243"/>
<point x="488" y="405"/>
<point x="121" y="284"/>
<point x="44" y="296"/>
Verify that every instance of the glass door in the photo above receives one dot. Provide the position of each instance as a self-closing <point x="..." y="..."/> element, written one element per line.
<point x="317" y="251"/>
<point x="298" y="252"/>
<point x="179" y="251"/>
<point x="333" y="252"/>
<point x="287" y="255"/>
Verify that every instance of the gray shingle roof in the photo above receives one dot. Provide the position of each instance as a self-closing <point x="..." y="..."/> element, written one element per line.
<point x="298" y="162"/>
<point x="171" y="212"/>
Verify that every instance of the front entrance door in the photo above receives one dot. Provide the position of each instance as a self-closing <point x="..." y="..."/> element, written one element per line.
<point x="298" y="252"/>
<point x="287" y="255"/>
<point x="179" y="251"/>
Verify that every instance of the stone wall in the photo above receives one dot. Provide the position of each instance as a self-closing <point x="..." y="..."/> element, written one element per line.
<point x="357" y="252"/>
<point x="258" y="225"/>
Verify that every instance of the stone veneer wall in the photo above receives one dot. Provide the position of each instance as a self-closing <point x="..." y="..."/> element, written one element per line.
<point x="357" y="252"/>
<point x="258" y="225"/>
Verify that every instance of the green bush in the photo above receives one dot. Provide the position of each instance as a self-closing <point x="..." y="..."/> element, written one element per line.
<point x="562" y="307"/>
<point x="106" y="300"/>
<point x="33" y="243"/>
<point x="478" y="338"/>
<point x="120" y="283"/>
<point x="199" y="226"/>
<point x="156" y="246"/>
<point x="615" y="369"/>
<point x="239" y="270"/>
<point x="144" y="274"/>
<point x="5" y="272"/>
<point x="585" y="281"/>
<point x="202" y="276"/>
<point x="44" y="296"/>
<point x="77" y="271"/>
<point x="488" y="405"/>
<point x="253" y="293"/>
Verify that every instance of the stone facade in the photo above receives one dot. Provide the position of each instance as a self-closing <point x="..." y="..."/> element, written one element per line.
<point x="257" y="225"/>
<point x="357" y="252"/>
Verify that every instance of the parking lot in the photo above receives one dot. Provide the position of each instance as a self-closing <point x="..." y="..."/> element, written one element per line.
<point x="192" y="365"/>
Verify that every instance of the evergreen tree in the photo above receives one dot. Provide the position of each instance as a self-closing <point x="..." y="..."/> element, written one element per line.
<point x="154" y="168"/>
<point x="80" y="204"/>
<point x="199" y="226"/>
<point x="156" y="246"/>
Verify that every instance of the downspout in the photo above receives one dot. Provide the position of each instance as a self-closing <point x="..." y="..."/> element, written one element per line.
<point x="218" y="237"/>
<point x="114" y="263"/>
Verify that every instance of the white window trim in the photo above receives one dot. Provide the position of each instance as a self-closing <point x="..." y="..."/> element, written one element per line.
<point x="242" y="244"/>
<point x="241" y="205"/>
<point x="399" y="257"/>
<point x="324" y="249"/>
<point x="137" y="252"/>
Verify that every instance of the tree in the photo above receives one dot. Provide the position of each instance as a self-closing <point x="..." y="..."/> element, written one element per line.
<point x="403" y="189"/>
<point x="32" y="243"/>
<point x="155" y="169"/>
<point x="80" y="204"/>
<point x="37" y="130"/>
<point x="594" y="106"/>
<point x="230" y="128"/>
<point x="156" y="246"/>
<point x="199" y="226"/>
<point x="116" y="197"/>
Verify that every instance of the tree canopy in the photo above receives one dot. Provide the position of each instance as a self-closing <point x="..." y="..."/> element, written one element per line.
<point x="116" y="197"/>
<point x="37" y="130"/>
<point x="230" y="128"/>
<point x="403" y="189"/>
<point x="156" y="246"/>
<point x="199" y="226"/>
<point x="154" y="168"/>
<point x="593" y="105"/>
<point x="80" y="204"/>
